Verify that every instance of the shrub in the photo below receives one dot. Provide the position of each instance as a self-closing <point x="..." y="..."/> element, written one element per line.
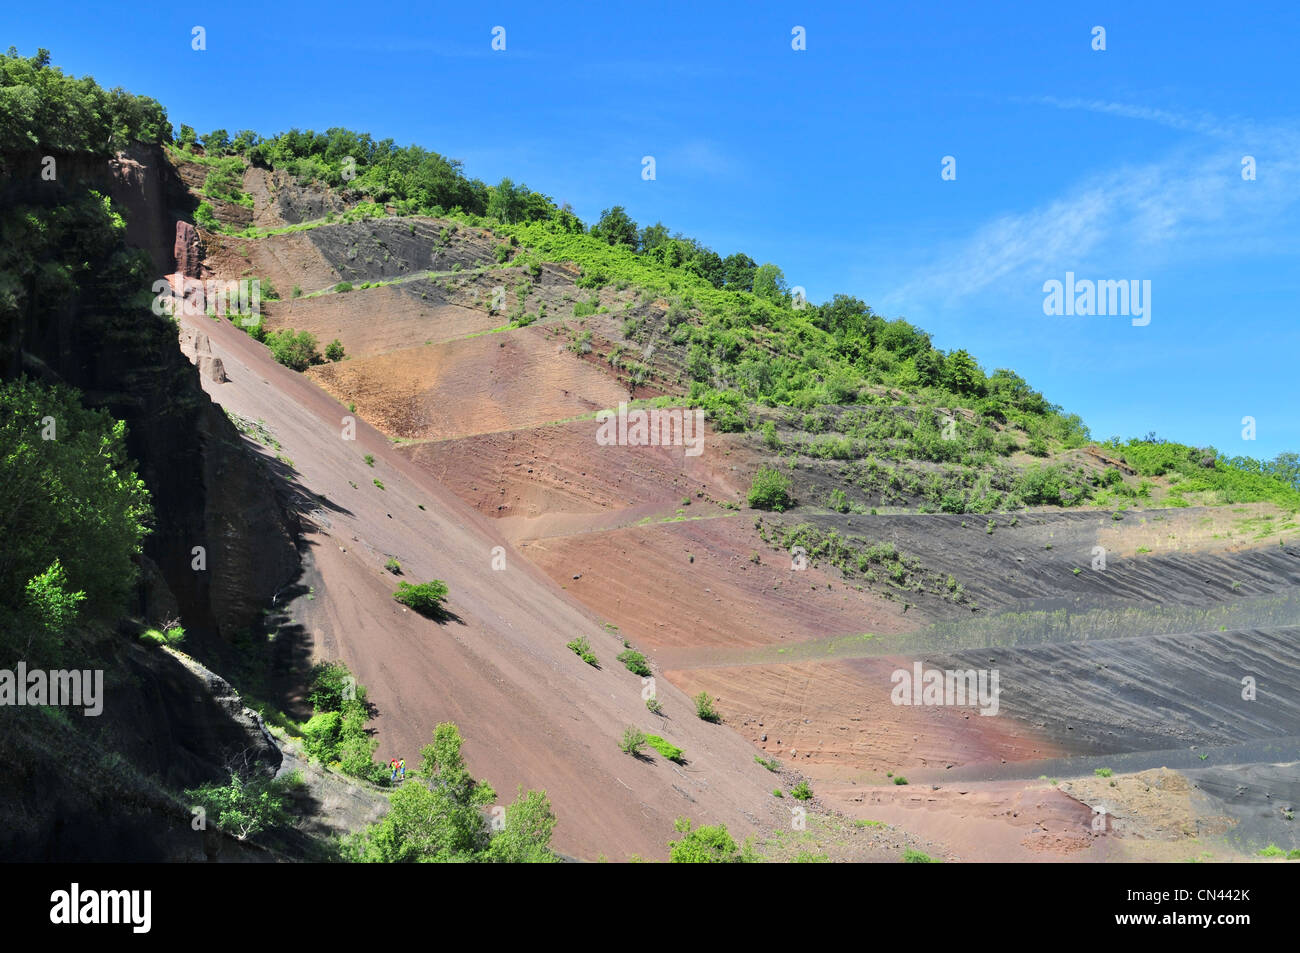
<point x="334" y="350"/>
<point x="320" y="736"/>
<point x="393" y="566"/>
<point x="911" y="856"/>
<point x="295" y="351"/>
<point x="204" y="217"/>
<point x="425" y="598"/>
<point x="245" y="806"/>
<point x="343" y="286"/>
<point x="582" y="648"/>
<point x="370" y="459"/>
<point x="668" y="750"/>
<point x="770" y="490"/>
<point x="652" y="705"/>
<point x="710" y="844"/>
<point x="801" y="792"/>
<point x="772" y="765"/>
<point x="635" y="662"/>
<point x="900" y="780"/>
<point x="172" y="635"/>
<point x="704" y="707"/>
<point x="634" y="740"/>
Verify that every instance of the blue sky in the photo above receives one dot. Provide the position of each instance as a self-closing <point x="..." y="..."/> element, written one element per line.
<point x="1115" y="164"/>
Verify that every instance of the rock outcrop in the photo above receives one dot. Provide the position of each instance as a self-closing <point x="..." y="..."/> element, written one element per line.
<point x="187" y="251"/>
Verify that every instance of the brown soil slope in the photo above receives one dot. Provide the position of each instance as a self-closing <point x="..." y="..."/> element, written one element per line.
<point x="532" y="712"/>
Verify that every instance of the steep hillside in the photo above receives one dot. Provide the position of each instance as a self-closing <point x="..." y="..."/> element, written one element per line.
<point x="447" y="381"/>
<point x="655" y="542"/>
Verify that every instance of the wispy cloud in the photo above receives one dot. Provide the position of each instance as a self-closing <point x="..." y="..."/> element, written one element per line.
<point x="1173" y="209"/>
<point x="1201" y="123"/>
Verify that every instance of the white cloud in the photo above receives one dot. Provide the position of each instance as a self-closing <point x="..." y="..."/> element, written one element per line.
<point x="1178" y="208"/>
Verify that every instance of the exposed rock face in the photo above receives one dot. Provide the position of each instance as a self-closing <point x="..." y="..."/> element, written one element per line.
<point x="195" y="346"/>
<point x="206" y="489"/>
<point x="66" y="794"/>
<point x="188" y="250"/>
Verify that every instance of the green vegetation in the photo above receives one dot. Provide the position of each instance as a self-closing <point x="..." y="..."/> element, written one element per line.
<point x="668" y="750"/>
<point x="295" y="351"/>
<point x="874" y="562"/>
<point x="393" y="566"/>
<point x="425" y="598"/>
<point x="801" y="791"/>
<point x="746" y="341"/>
<point x="652" y="705"/>
<point x="1210" y="478"/>
<point x="172" y="635"/>
<point x="634" y="739"/>
<point x="336" y="734"/>
<point x="247" y="805"/>
<point x="704" y="708"/>
<point x="710" y="844"/>
<point x="911" y="856"/>
<point x="1102" y="772"/>
<point x="771" y="764"/>
<point x="44" y="109"/>
<point x="225" y="181"/>
<point x="582" y="648"/>
<point x="770" y="490"/>
<point x="437" y="817"/>
<point x="334" y="350"/>
<point x="73" y="515"/>
<point x="634" y="662"/>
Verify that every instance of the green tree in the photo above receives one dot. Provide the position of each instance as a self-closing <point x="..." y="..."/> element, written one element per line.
<point x="739" y="270"/>
<point x="769" y="283"/>
<point x="526" y="837"/>
<point x="708" y="265"/>
<point x="40" y="107"/>
<point x="73" y="512"/>
<point x="962" y="375"/>
<point x="506" y="202"/>
<point x="653" y="236"/>
<point x="218" y="140"/>
<point x="439" y="818"/>
<point x="616" y="227"/>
